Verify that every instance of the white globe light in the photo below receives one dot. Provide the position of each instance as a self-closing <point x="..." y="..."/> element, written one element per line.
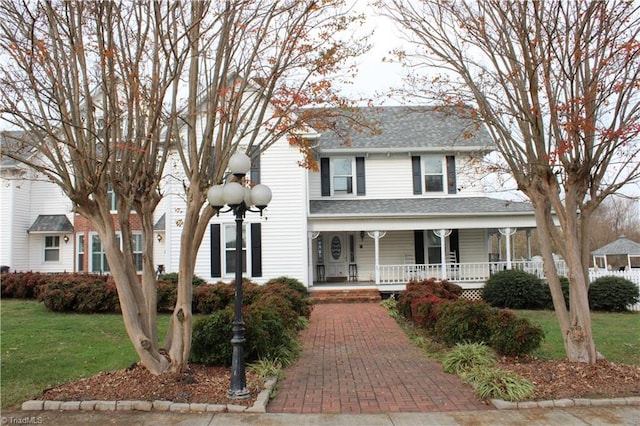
<point x="233" y="193"/>
<point x="215" y="196"/>
<point x="261" y="195"/>
<point x="239" y="164"/>
<point x="247" y="197"/>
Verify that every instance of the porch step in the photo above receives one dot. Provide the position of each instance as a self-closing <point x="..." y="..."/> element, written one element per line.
<point x="370" y="295"/>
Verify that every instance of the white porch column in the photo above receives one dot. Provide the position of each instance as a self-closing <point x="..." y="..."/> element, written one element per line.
<point x="508" y="233"/>
<point x="311" y="235"/>
<point x="443" y="233"/>
<point x="528" y="244"/>
<point x="376" y="235"/>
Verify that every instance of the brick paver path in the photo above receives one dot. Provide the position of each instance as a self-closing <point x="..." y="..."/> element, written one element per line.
<point x="356" y="359"/>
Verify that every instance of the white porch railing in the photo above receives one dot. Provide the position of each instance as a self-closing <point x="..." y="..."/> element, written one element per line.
<point x="474" y="275"/>
<point x="458" y="272"/>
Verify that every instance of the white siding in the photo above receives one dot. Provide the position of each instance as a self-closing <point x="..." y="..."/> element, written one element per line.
<point x="390" y="176"/>
<point x="284" y="225"/>
<point x="473" y="245"/>
<point x="48" y="199"/>
<point x="14" y="216"/>
<point x="284" y="232"/>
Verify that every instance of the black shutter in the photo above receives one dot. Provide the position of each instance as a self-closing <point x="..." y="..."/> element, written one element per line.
<point x="216" y="263"/>
<point x="418" y="242"/>
<point x="360" y="181"/>
<point x="256" y="250"/>
<point x="325" y="177"/>
<point x="451" y="174"/>
<point x="255" y="170"/>
<point x="454" y="245"/>
<point x="417" y="175"/>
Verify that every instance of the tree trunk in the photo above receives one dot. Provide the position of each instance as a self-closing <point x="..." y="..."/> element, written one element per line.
<point x="575" y="324"/>
<point x="134" y="310"/>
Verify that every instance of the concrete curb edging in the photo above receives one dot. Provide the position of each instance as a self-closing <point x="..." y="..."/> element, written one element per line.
<point x="501" y="404"/>
<point x="259" y="406"/>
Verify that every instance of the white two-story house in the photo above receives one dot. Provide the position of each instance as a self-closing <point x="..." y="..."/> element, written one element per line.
<point x="404" y="202"/>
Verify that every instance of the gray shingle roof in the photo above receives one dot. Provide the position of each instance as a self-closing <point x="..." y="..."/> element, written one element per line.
<point x="10" y="142"/>
<point x="55" y="223"/>
<point x="618" y="247"/>
<point x="417" y="206"/>
<point x="160" y="224"/>
<point x="411" y="128"/>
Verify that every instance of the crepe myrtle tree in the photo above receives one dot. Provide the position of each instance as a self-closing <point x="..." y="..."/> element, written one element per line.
<point x="556" y="85"/>
<point x="106" y="92"/>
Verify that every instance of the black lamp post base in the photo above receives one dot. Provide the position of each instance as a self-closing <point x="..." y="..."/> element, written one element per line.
<point x="239" y="394"/>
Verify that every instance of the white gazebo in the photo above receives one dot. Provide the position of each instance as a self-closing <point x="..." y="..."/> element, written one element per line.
<point x="620" y="247"/>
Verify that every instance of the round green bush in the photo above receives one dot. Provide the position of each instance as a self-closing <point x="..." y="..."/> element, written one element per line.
<point x="211" y="339"/>
<point x="515" y="289"/>
<point x="291" y="282"/>
<point x="268" y="335"/>
<point x="463" y="321"/>
<point x="512" y="336"/>
<point x="613" y="294"/>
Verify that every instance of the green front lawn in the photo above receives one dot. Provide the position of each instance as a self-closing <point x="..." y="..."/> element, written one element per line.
<point x="617" y="335"/>
<point x="41" y="349"/>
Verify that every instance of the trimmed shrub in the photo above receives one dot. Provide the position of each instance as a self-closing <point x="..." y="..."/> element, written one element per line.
<point x="210" y="298"/>
<point x="23" y="285"/>
<point x="296" y="300"/>
<point x="515" y="289"/>
<point x="268" y="335"/>
<point x="511" y="335"/>
<point x="172" y="277"/>
<point x="80" y="293"/>
<point x="613" y="294"/>
<point x="211" y="340"/>
<point x="431" y="289"/>
<point x="291" y="282"/>
<point x="463" y="321"/>
<point x="476" y="322"/>
<point x="166" y="295"/>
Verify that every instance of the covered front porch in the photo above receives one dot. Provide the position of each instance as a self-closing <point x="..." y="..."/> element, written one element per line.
<point x="388" y="260"/>
<point x="386" y="243"/>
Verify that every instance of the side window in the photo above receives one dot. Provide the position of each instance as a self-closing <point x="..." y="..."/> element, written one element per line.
<point x="98" y="257"/>
<point x="80" y="253"/>
<point x="52" y="248"/>
<point x="99" y="262"/>
<point x="137" y="251"/>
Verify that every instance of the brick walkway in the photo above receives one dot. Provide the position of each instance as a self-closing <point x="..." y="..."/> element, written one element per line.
<point x="356" y="359"/>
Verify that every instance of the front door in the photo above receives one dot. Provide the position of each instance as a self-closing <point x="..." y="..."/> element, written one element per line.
<point x="336" y="256"/>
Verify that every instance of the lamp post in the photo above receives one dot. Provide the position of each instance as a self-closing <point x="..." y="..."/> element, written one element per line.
<point x="239" y="199"/>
